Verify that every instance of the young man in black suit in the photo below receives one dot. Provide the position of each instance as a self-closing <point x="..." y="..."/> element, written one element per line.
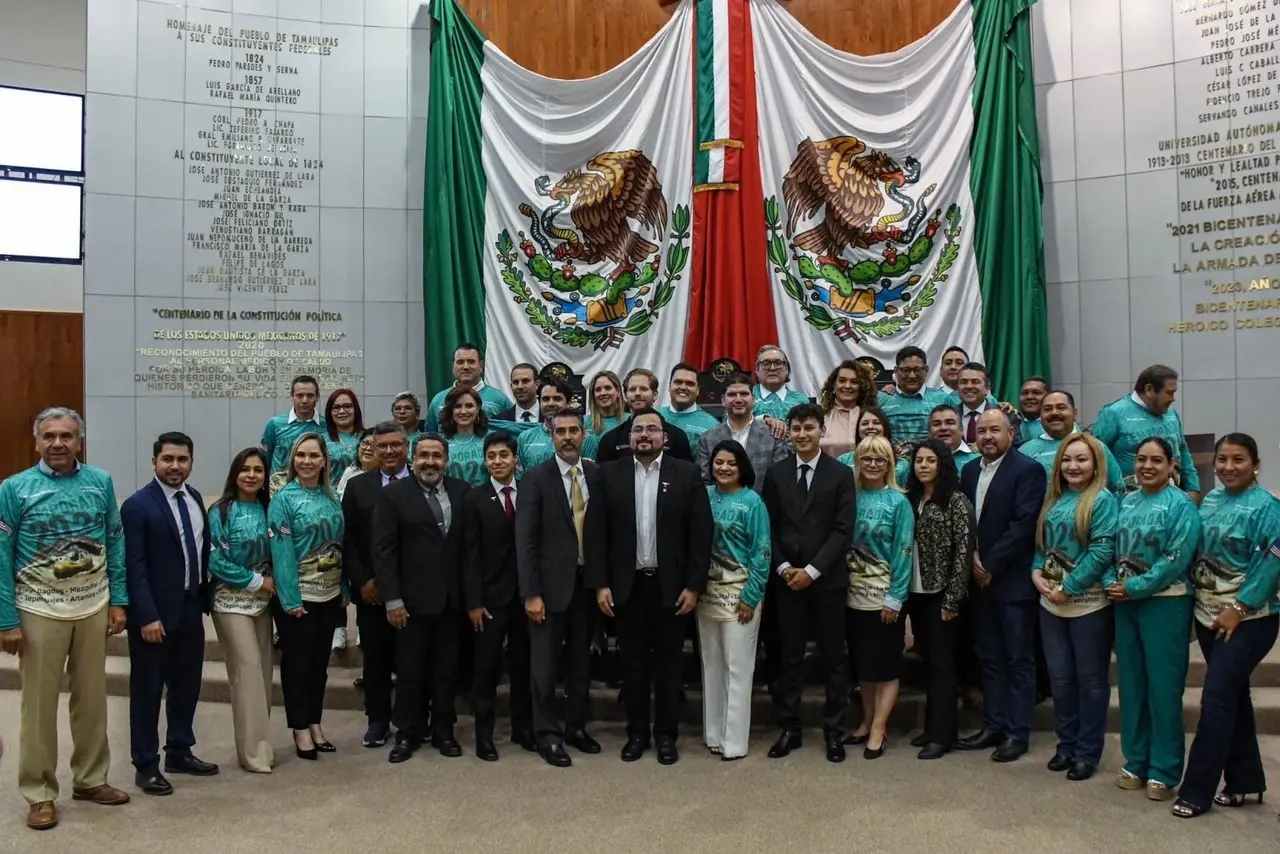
<point x="657" y="523"/>
<point x="554" y="541"/>
<point x="1006" y="489"/>
<point x="417" y="549"/>
<point x="377" y="637"/>
<point x="810" y="498"/>
<point x="490" y="593"/>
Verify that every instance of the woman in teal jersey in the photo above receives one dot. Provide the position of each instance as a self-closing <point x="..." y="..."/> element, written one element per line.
<point x="879" y="580"/>
<point x="608" y="409"/>
<point x="1156" y="535"/>
<point x="240" y="563"/>
<point x="729" y="611"/>
<point x="343" y="422"/>
<point x="1235" y="577"/>
<point x="464" y="423"/>
<point x="1075" y="544"/>
<point x="305" y="520"/>
<point x="366" y="459"/>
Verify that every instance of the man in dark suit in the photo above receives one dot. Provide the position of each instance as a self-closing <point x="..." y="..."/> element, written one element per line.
<point x="524" y="390"/>
<point x="490" y="593"/>
<point x="1006" y="490"/>
<point x="657" y="523"/>
<point x="641" y="389"/>
<point x="417" y="549"/>
<point x="167" y="563"/>
<point x="741" y="424"/>
<point x="554" y="540"/>
<point x="810" y="498"/>
<point x="377" y="638"/>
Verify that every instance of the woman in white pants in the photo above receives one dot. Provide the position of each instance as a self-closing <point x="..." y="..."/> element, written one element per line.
<point x="729" y="612"/>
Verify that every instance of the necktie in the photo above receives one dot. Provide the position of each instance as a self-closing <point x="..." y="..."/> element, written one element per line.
<point x="802" y="485"/>
<point x="433" y="501"/>
<point x="391" y="478"/>
<point x="578" y="504"/>
<point x="506" y="503"/>
<point x="188" y="542"/>
<point x="527" y="416"/>
<point x="971" y="429"/>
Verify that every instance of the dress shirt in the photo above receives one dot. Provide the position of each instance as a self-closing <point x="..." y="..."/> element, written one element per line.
<point x="967" y="415"/>
<point x="52" y="472"/>
<point x="810" y="570"/>
<point x="985" y="475"/>
<point x="535" y="414"/>
<point x="568" y="481"/>
<point x="781" y="393"/>
<point x="293" y="416"/>
<point x="841" y="429"/>
<point x="197" y="524"/>
<point x="740" y="436"/>
<point x="513" y="486"/>
<point x="400" y="475"/>
<point x="647" y="513"/>
<point x="446" y="509"/>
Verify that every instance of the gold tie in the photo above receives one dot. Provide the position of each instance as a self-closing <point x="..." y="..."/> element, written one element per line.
<point x="579" y="506"/>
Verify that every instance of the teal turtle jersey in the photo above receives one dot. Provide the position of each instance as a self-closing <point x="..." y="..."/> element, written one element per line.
<point x="770" y="404"/>
<point x="1156" y="538"/>
<point x="694" y="421"/>
<point x="533" y="448"/>
<point x="492" y="401"/>
<point x="342" y="453"/>
<point x="277" y="443"/>
<point x="909" y="414"/>
<point x="1044" y="448"/>
<point x="239" y="554"/>
<point x="1125" y="424"/>
<point x="1074" y="566"/>
<point x="61" y="545"/>
<point x="306" y="545"/>
<point x="466" y="459"/>
<point x="1234" y="561"/>
<point x="880" y="559"/>
<point x="741" y="545"/>
<point x="591" y="444"/>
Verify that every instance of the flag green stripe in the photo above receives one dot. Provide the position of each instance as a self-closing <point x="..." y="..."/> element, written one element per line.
<point x="705" y="94"/>
<point x="453" y="205"/>
<point x="1005" y="181"/>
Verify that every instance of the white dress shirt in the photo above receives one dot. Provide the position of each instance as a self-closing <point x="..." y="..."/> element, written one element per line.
<point x="646" y="495"/>
<point x="986" y="474"/>
<point x="535" y="414"/>
<point x="811" y="570"/>
<point x="197" y="525"/>
<point x="498" y="487"/>
<point x="568" y="481"/>
<point x="740" y="436"/>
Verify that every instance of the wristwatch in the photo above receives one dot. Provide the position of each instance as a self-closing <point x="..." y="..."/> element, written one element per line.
<point x="1242" y="610"/>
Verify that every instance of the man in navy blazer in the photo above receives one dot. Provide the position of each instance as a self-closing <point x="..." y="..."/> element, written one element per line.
<point x="167" y="562"/>
<point x="1006" y="494"/>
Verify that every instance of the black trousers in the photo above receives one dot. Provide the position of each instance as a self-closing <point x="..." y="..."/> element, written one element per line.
<point x="427" y="644"/>
<point x="305" y="645"/>
<point x="378" y="649"/>
<point x="799" y="613"/>
<point x="967" y="664"/>
<point x="936" y="642"/>
<point x="651" y="645"/>
<point x="508" y="624"/>
<point x="172" y="668"/>
<point x="568" y="632"/>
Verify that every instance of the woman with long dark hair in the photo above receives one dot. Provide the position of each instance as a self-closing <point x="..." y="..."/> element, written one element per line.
<point x="873" y="422"/>
<point x="240" y="563"/>
<point x="942" y="566"/>
<point x="306" y="556"/>
<point x="464" y="423"/>
<point x="1156" y="536"/>
<point x="848" y="390"/>
<point x="1236" y="620"/>
<point x="1075" y="544"/>
<point x="343" y="422"/>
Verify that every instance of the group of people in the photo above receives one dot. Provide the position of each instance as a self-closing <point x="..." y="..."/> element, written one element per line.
<point x="493" y="533"/>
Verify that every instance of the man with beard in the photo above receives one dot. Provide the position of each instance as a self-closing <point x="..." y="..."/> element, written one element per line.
<point x="944" y="425"/>
<point x="1058" y="421"/>
<point x="657" y="523"/>
<point x="748" y="430"/>
<point x="641" y="389"/>
<point x="468" y="372"/>
<point x="417" y="552"/>
<point x="283" y="430"/>
<point x="554" y="541"/>
<point x="1125" y="424"/>
<point x="524" y="388"/>
<point x="1030" y="399"/>
<point x="534" y="447"/>
<point x="684" y="411"/>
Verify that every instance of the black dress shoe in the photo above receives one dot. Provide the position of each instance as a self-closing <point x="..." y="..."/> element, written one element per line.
<point x="188" y="764"/>
<point x="933" y="750"/>
<point x="1059" y="763"/>
<point x="403" y="749"/>
<point x="634" y="748"/>
<point x="555" y="755"/>
<point x="667" y="753"/>
<point x="358" y="682"/>
<point x="1009" y="750"/>
<point x="787" y="742"/>
<point x="1080" y="771"/>
<point x="983" y="739"/>
<point x="152" y="783"/>
<point x="376" y="735"/>
<point x="920" y="740"/>
<point x="525" y="739"/>
<point x="835" y="748"/>
<point x="581" y="741"/>
<point x="447" y="745"/>
<point x="486" y="750"/>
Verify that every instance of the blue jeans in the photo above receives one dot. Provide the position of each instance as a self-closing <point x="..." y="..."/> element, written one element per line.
<point x="1077" y="651"/>
<point x="1226" y="742"/>
<point x="1004" y="634"/>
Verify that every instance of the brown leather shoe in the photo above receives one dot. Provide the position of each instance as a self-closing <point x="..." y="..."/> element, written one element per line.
<point x="107" y="796"/>
<point x="42" y="816"/>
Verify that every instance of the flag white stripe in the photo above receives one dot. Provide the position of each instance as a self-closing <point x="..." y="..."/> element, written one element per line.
<point x="720" y="65"/>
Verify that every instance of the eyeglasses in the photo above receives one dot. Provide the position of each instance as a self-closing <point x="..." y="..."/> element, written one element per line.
<point x="873" y="462"/>
<point x="343" y="407"/>
<point x="389" y="446"/>
<point x="910" y="372"/>
<point x="772" y="364"/>
<point x="651" y="429"/>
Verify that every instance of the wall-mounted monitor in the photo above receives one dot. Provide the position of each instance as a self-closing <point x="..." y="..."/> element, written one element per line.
<point x="41" y="130"/>
<point x="40" y="221"/>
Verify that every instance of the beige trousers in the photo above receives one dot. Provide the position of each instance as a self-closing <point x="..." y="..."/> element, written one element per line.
<point x="78" y="647"/>
<point x="246" y="642"/>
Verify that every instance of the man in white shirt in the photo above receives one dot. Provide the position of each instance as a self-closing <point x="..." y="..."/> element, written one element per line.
<point x="524" y="388"/>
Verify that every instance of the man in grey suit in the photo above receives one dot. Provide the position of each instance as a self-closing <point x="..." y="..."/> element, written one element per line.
<point x="741" y="425"/>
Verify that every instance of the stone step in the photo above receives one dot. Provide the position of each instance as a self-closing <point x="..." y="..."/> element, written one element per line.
<point x="909" y="714"/>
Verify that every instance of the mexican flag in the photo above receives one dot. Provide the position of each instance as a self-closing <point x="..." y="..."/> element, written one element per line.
<point x="557" y="212"/>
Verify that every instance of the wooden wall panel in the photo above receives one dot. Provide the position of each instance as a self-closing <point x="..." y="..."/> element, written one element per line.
<point x="42" y="357"/>
<point x="582" y="38"/>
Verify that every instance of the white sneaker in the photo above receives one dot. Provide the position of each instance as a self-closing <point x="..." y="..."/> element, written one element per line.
<point x="339" y="638"/>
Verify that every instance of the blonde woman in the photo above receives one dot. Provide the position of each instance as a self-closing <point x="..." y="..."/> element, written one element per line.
<point x="1075" y="543"/>
<point x="607" y="409"/>
<point x="879" y="580"/>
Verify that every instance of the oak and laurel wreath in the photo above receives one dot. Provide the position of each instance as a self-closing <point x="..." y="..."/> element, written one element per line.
<point x="819" y="316"/>
<point x="576" y="336"/>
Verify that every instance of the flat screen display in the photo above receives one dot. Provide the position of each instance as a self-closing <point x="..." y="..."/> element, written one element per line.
<point x="40" y="220"/>
<point x="41" y="130"/>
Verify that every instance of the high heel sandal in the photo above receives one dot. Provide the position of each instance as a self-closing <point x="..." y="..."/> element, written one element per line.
<point x="1235" y="799"/>
<point x="1186" y="809"/>
<point x="325" y="747"/>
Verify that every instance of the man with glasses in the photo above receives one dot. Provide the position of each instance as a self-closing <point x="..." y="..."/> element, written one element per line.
<point x="910" y="403"/>
<point x="774" y="399"/>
